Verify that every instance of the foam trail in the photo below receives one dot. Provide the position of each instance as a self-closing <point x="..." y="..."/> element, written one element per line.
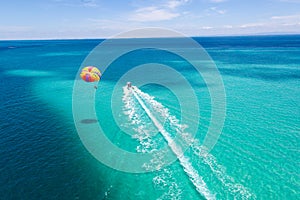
<point x="195" y="178"/>
<point x="238" y="190"/>
<point x="164" y="179"/>
<point x="218" y="170"/>
<point x="136" y="119"/>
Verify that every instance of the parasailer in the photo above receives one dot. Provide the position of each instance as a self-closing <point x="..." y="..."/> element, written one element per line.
<point x="90" y="74"/>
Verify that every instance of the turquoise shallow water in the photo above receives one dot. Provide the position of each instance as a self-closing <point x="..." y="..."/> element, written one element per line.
<point x="256" y="157"/>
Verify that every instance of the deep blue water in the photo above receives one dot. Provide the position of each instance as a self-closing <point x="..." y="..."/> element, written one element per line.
<point x="42" y="156"/>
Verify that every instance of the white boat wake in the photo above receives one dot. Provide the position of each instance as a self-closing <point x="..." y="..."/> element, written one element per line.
<point x="159" y="115"/>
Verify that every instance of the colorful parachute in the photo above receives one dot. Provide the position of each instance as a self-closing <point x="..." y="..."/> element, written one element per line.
<point x="90" y="74"/>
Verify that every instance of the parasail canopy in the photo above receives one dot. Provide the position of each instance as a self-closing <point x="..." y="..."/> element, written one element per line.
<point x="90" y="74"/>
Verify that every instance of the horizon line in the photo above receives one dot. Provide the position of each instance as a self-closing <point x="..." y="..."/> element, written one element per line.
<point x="199" y="36"/>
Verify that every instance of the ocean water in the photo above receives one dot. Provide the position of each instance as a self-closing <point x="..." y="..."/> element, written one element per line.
<point x="256" y="157"/>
